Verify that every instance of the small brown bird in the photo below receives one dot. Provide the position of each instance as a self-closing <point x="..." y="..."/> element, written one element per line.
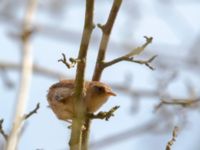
<point x="60" y="97"/>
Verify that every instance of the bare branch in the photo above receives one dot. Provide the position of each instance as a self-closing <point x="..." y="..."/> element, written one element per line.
<point x="2" y="130"/>
<point x="174" y="135"/>
<point x="79" y="107"/>
<point x="106" y="29"/>
<point x="5" y="78"/>
<point x="104" y="115"/>
<point x="34" y="111"/>
<point x="134" y="52"/>
<point x="25" y="78"/>
<point x="180" y="102"/>
<point x="36" y="69"/>
<point x="122" y="136"/>
<point x="140" y="49"/>
<point x="131" y="59"/>
<point x="145" y="62"/>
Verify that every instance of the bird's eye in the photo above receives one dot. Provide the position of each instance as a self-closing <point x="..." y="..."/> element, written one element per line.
<point x="99" y="89"/>
<point x="58" y="97"/>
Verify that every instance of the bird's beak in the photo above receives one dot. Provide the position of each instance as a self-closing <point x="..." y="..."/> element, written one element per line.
<point x="111" y="93"/>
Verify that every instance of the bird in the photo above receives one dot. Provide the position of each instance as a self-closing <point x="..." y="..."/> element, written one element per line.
<point x="61" y="95"/>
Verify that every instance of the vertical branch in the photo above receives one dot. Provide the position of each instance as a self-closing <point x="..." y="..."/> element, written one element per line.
<point x="85" y="134"/>
<point x="77" y="122"/>
<point x="106" y="29"/>
<point x="26" y="74"/>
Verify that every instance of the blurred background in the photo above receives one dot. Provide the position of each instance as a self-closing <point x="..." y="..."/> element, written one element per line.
<point x="139" y="123"/>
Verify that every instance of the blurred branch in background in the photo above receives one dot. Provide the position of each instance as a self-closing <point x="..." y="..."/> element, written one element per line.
<point x="26" y="75"/>
<point x="154" y="125"/>
<point x="146" y="128"/>
<point x="39" y="70"/>
<point x="174" y="135"/>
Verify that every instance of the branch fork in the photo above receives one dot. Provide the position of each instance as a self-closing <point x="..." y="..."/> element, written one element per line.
<point x="72" y="61"/>
<point x="130" y="56"/>
<point x="104" y="115"/>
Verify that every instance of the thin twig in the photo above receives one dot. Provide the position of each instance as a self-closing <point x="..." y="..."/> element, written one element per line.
<point x="36" y="69"/>
<point x="171" y="142"/>
<point x="72" y="61"/>
<point x="140" y="49"/>
<point x="144" y="62"/>
<point x="27" y="65"/>
<point x="34" y="111"/>
<point x="2" y="130"/>
<point x="130" y="56"/>
<point x="104" y="115"/>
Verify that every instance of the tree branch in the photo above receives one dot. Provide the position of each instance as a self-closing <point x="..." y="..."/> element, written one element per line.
<point x="122" y="136"/>
<point x="171" y="142"/>
<point x="130" y="56"/>
<point x="25" y="118"/>
<point x="131" y="59"/>
<point x="36" y="69"/>
<point x="77" y="122"/>
<point x="106" y="29"/>
<point x="34" y="111"/>
<point x="179" y="102"/>
<point x="104" y="115"/>
<point x="26" y="75"/>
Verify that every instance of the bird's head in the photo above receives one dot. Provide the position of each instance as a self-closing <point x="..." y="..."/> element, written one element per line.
<point x="97" y="94"/>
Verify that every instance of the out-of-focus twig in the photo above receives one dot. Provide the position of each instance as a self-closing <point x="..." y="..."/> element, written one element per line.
<point x="2" y="130"/>
<point x="27" y="66"/>
<point x="171" y="142"/>
<point x="36" y="69"/>
<point x="5" y="78"/>
<point x="180" y="102"/>
<point x="146" y="128"/>
<point x="135" y="92"/>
